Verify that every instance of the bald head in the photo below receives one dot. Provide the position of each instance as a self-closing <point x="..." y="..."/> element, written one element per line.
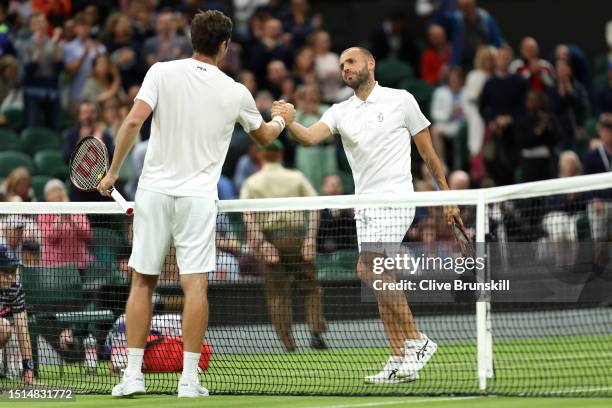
<point x="363" y="51"/>
<point x="357" y="66"/>
<point x="459" y="180"/>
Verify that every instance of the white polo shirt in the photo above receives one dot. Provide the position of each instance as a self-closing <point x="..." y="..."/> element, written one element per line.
<point x="195" y="107"/>
<point x="376" y="138"/>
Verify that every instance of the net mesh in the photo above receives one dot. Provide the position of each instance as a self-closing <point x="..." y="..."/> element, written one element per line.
<point x="88" y="164"/>
<point x="289" y="317"/>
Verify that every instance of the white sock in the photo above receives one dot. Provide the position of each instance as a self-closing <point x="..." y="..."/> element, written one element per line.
<point x="134" y="365"/>
<point x="190" y="366"/>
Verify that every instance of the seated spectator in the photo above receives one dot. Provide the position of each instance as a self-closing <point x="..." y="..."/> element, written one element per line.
<point x="42" y="60"/>
<point x="12" y="301"/>
<point x="11" y="93"/>
<point x="30" y="253"/>
<point x="435" y="59"/>
<point x="484" y="67"/>
<point x="271" y="46"/>
<point x="124" y="50"/>
<point x="603" y="93"/>
<point x="447" y="115"/>
<point x="247" y="78"/>
<point x="17" y="187"/>
<point x="392" y="39"/>
<point x="248" y="164"/>
<point x="89" y="125"/>
<point x="276" y="76"/>
<point x="166" y="45"/>
<point x="569" y="103"/>
<point x="459" y="180"/>
<point x="65" y="237"/>
<point x="471" y="28"/>
<point x="13" y="233"/>
<point x="530" y="66"/>
<point x="536" y="135"/>
<point x="337" y="228"/>
<point x="104" y="82"/>
<point x="327" y="69"/>
<point x="304" y="67"/>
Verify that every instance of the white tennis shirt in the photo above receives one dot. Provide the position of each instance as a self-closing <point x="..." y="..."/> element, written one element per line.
<point x="195" y="107"/>
<point x="376" y="138"/>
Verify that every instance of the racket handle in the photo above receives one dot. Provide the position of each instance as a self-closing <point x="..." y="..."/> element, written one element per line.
<point x="121" y="201"/>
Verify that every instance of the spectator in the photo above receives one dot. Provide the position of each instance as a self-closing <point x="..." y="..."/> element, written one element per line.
<point x="30" y="253"/>
<point x="225" y="188"/>
<point x="537" y="71"/>
<point x="12" y="300"/>
<point x="104" y="82"/>
<point x="13" y="233"/>
<point x="459" y="180"/>
<point x="313" y="161"/>
<point x="124" y="50"/>
<point x="272" y="45"/>
<point x="286" y="244"/>
<point x="43" y="63"/>
<point x="11" y="94"/>
<point x="337" y="230"/>
<point x="304" y="67"/>
<point x="112" y="115"/>
<point x="89" y="125"/>
<point x="327" y="69"/>
<point x="6" y="43"/>
<point x="18" y="186"/>
<point x="56" y="12"/>
<point x="435" y="59"/>
<point x="392" y="40"/>
<point x="263" y="102"/>
<point x="501" y="103"/>
<point x="65" y="237"/>
<point x="229" y="250"/>
<point x="484" y="67"/>
<point x="603" y="93"/>
<point x="301" y="24"/>
<point x="471" y="28"/>
<point x="447" y="116"/>
<point x="79" y="55"/>
<point x="247" y="78"/>
<point x="578" y="62"/>
<point x="166" y="45"/>
<point x="569" y="103"/>
<point x="537" y="133"/>
<point x="276" y="76"/>
<point x="248" y="164"/>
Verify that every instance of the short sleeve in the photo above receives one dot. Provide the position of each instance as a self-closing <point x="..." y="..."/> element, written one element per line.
<point x="249" y="117"/>
<point x="149" y="89"/>
<point x="414" y="119"/>
<point x="329" y="118"/>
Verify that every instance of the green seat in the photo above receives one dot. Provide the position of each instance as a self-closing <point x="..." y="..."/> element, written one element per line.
<point x="11" y="159"/>
<point x="421" y="90"/>
<point x="35" y="139"/>
<point x="38" y="185"/>
<point x="14" y="118"/>
<point x="68" y="119"/>
<point x="106" y="244"/>
<point x="100" y="274"/>
<point x="9" y="140"/>
<point x="51" y="163"/>
<point x="390" y="72"/>
<point x="337" y="265"/>
<point x="52" y="289"/>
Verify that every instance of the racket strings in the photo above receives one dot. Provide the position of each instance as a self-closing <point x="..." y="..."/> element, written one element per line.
<point x="88" y="165"/>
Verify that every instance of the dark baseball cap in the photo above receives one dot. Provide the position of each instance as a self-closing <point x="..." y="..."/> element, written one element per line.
<point x="6" y="260"/>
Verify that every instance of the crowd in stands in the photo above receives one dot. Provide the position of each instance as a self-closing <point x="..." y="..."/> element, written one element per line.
<point x="498" y="116"/>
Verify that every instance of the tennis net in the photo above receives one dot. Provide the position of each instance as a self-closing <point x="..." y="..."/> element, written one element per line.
<point x="288" y="315"/>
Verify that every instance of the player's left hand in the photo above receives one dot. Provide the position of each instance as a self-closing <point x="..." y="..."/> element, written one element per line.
<point x="453" y="214"/>
<point x="106" y="184"/>
<point x="309" y="249"/>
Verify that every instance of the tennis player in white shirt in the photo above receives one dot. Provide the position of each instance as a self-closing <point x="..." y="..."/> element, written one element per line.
<point x="195" y="107"/>
<point x="376" y="125"/>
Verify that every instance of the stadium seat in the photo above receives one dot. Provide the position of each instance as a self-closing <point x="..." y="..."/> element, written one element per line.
<point x="9" y="140"/>
<point x="390" y="72"/>
<point x="14" y="118"/>
<point x="38" y="185"/>
<point x="337" y="265"/>
<point x="51" y="163"/>
<point x="99" y="274"/>
<point x="35" y="139"/>
<point x="421" y="90"/>
<point x="11" y="159"/>
<point x="106" y="244"/>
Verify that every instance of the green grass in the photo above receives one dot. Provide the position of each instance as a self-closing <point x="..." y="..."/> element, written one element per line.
<point x="551" y="366"/>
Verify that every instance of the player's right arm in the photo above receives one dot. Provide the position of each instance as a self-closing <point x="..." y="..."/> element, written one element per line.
<point x="308" y="136"/>
<point x="251" y="121"/>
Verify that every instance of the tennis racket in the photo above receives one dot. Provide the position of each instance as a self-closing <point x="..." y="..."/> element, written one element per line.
<point x="89" y="164"/>
<point x="465" y="242"/>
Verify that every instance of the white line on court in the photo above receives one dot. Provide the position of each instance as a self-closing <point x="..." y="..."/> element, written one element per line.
<point x="419" y="401"/>
<point x="578" y="390"/>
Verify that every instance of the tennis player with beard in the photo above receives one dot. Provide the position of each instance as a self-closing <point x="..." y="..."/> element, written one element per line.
<point x="195" y="107"/>
<point x="376" y="125"/>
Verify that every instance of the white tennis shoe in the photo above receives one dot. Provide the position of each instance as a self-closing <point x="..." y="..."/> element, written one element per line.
<point x="130" y="385"/>
<point x="417" y="353"/>
<point x="388" y="375"/>
<point x="191" y="389"/>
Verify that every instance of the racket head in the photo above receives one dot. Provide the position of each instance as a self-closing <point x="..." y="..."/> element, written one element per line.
<point x="465" y="242"/>
<point x="88" y="163"/>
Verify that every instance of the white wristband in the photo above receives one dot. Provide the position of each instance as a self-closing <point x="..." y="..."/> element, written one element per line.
<point x="279" y="119"/>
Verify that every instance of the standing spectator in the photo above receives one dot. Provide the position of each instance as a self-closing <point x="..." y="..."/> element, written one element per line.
<point x="530" y="66"/>
<point x="166" y="45"/>
<point x="472" y="27"/>
<point x="11" y="94"/>
<point x="327" y="68"/>
<point x="43" y="63"/>
<point x="56" y="11"/>
<point x="79" y="55"/>
<point x="18" y="186"/>
<point x="578" y="62"/>
<point x="104" y="82"/>
<point x="569" y="103"/>
<point x="501" y="104"/>
<point x="301" y="22"/>
<point x="484" y="67"/>
<point x="112" y="115"/>
<point x="447" y="115"/>
<point x="304" y="67"/>
<point x="12" y="302"/>
<point x="392" y="40"/>
<point x="337" y="230"/>
<point x="65" y="237"/>
<point x="248" y="164"/>
<point x="273" y="45"/>
<point x="286" y="244"/>
<point x="537" y="133"/>
<point x="435" y="59"/>
<point x="125" y="51"/>
<point x="603" y="93"/>
<point x="89" y="125"/>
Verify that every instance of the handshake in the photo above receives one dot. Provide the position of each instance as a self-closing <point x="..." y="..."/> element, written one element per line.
<point x="285" y="110"/>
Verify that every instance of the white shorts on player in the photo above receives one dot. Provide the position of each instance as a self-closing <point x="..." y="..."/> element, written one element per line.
<point x="386" y="225"/>
<point x="187" y="222"/>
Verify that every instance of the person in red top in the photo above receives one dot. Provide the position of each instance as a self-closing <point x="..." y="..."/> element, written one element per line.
<point x="434" y="60"/>
<point x="57" y="11"/>
<point x="65" y="237"/>
<point x="537" y="71"/>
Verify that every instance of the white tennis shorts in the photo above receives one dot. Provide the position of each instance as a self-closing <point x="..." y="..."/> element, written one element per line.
<point x="160" y="220"/>
<point x="383" y="224"/>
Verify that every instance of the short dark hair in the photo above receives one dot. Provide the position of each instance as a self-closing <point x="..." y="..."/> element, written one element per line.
<point x="208" y="30"/>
